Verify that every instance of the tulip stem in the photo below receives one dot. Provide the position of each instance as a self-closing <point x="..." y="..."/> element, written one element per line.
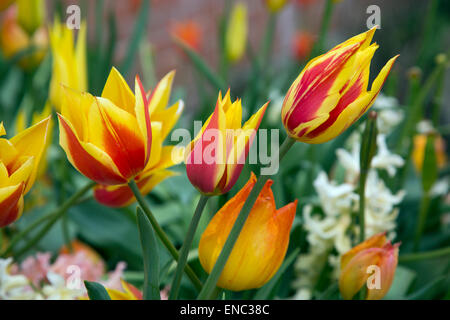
<point x="323" y="28"/>
<point x="425" y="255"/>
<point x="210" y="284"/>
<point x="162" y="235"/>
<point x="174" y="291"/>
<point x="57" y="214"/>
<point x="422" y="218"/>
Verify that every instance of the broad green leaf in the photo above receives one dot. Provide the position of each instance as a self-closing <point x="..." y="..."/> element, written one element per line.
<point x="96" y="291"/>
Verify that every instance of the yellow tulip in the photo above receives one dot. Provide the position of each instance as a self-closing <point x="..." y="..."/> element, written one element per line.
<point x="231" y="143"/>
<point x="236" y="33"/>
<point x="262" y="243"/>
<point x="275" y="5"/>
<point x="118" y="137"/>
<point x="331" y="92"/>
<point x="19" y="161"/>
<point x="69" y="61"/>
<point x="31" y="14"/>
<point x="376" y="251"/>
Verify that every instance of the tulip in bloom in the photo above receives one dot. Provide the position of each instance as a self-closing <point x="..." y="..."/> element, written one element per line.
<point x="331" y="92"/>
<point x="14" y="39"/>
<point x="420" y="142"/>
<point x="19" y="162"/>
<point x="356" y="267"/>
<point x="69" y="62"/>
<point x="118" y="137"/>
<point x="262" y="243"/>
<point x="215" y="158"/>
<point x="275" y="5"/>
<point x="129" y="292"/>
<point x="236" y="33"/>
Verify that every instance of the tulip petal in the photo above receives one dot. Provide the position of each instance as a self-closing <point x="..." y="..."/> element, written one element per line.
<point x="31" y="143"/>
<point x="87" y="158"/>
<point x="168" y="117"/>
<point x="376" y="241"/>
<point x="2" y="130"/>
<point x="11" y="204"/>
<point x="143" y="116"/>
<point x="118" y="92"/>
<point x="160" y="95"/>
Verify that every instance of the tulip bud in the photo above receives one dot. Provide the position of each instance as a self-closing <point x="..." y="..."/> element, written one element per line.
<point x="420" y="142"/>
<point x="373" y="262"/>
<point x="262" y="243"/>
<point x="275" y="5"/>
<point x="330" y="94"/>
<point x="19" y="162"/>
<point x="236" y="33"/>
<point x="31" y="14"/>
<point x="215" y="158"/>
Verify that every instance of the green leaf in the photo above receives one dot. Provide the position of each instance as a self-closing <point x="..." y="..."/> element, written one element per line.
<point x="402" y="281"/>
<point x="150" y="255"/>
<point x="96" y="291"/>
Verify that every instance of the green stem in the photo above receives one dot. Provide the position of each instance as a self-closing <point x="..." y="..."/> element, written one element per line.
<point x="59" y="213"/>
<point x="362" y="206"/>
<point x="422" y="218"/>
<point x="161" y="234"/>
<point x="184" y="252"/>
<point x="210" y="284"/>
<point x="424" y="255"/>
<point x="327" y="13"/>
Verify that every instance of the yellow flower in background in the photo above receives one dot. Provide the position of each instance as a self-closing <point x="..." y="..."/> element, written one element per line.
<point x="129" y="292"/>
<point x="14" y="39"/>
<point x="376" y="251"/>
<point x="31" y="14"/>
<point x="118" y="137"/>
<point x="420" y="142"/>
<point x="275" y="5"/>
<point x="224" y="133"/>
<point x="236" y="33"/>
<point x="19" y="161"/>
<point x="262" y="243"/>
<point x="69" y="61"/>
<point x="21" y="124"/>
<point x="331" y="92"/>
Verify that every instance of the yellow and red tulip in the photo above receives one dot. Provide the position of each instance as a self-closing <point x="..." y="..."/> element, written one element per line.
<point x="69" y="61"/>
<point x="223" y="136"/>
<point x="118" y="137"/>
<point x="420" y="142"/>
<point x="236" y="33"/>
<point x="19" y="162"/>
<point x="331" y="92"/>
<point x="15" y="39"/>
<point x="129" y="292"/>
<point x="275" y="5"/>
<point x="262" y="243"/>
<point x="375" y="251"/>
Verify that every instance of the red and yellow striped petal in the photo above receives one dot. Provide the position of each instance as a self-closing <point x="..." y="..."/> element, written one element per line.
<point x="11" y="204"/>
<point x="143" y="116"/>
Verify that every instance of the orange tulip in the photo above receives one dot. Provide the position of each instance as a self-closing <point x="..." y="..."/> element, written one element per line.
<point x="188" y="32"/>
<point x="358" y="263"/>
<point x="302" y="44"/>
<point x="330" y="94"/>
<point x="217" y="155"/>
<point x="262" y="243"/>
<point x="19" y="162"/>
<point x="420" y="142"/>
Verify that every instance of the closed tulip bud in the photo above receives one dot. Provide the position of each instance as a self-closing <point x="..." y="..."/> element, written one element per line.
<point x="215" y="158"/>
<point x="19" y="162"/>
<point x="275" y="5"/>
<point x="236" y="33"/>
<point x="31" y="14"/>
<point x="262" y="243"/>
<point x="376" y="256"/>
<point x="418" y="155"/>
<point x="331" y="92"/>
<point x="112" y="139"/>
<point x="14" y="39"/>
<point x="69" y="61"/>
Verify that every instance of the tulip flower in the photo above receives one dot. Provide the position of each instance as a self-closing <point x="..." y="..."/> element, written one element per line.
<point x="236" y="33"/>
<point x="215" y="158"/>
<point x="14" y="39"/>
<point x="275" y="5"/>
<point x="331" y="92"/>
<point x="118" y="137"/>
<point x="19" y="162"/>
<point x="262" y="243"/>
<point x="420" y="142"/>
<point x="188" y="32"/>
<point x="302" y="44"/>
<point x="31" y="14"/>
<point x="358" y="264"/>
<point x="69" y="62"/>
<point x="129" y="292"/>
